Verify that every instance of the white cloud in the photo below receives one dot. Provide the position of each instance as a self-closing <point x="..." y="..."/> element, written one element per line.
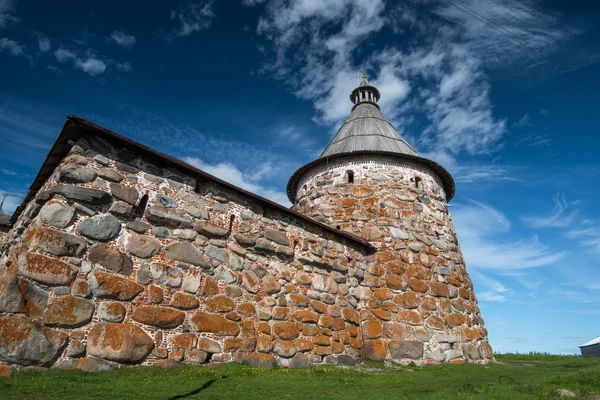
<point x="560" y="217"/>
<point x="6" y="17"/>
<point x="43" y="42"/>
<point x="124" y="66"/>
<point x="248" y="181"/>
<point x="123" y="39"/>
<point x="481" y="230"/>
<point x="14" y="48"/>
<point x="319" y="47"/>
<point x="91" y="65"/>
<point x="64" y="55"/>
<point x="454" y="92"/>
<point x="193" y="16"/>
<point x="89" y="61"/>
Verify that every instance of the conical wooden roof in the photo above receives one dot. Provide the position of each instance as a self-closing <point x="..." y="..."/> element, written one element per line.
<point x="366" y="129"/>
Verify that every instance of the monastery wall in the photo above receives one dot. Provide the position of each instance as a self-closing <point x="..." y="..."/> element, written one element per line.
<point x="418" y="299"/>
<point x="119" y="260"/>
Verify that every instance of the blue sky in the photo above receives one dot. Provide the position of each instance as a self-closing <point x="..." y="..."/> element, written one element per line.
<point x="502" y="93"/>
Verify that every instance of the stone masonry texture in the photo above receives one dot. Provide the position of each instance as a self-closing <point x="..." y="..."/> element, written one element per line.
<point x="118" y="261"/>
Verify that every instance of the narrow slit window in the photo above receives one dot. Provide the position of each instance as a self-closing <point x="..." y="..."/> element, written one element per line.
<point x="417" y="181"/>
<point x="350" y="175"/>
<point x="139" y="210"/>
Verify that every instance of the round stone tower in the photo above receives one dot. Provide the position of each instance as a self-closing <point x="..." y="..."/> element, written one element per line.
<point x="417" y="301"/>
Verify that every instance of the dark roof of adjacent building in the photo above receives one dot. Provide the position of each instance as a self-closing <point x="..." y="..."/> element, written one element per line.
<point x="76" y="127"/>
<point x="367" y="131"/>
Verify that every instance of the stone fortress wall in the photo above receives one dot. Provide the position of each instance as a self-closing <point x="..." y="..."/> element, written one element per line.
<point x="118" y="260"/>
<point x="93" y="278"/>
<point x="418" y="299"/>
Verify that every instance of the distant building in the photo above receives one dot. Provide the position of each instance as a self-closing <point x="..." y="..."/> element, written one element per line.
<point x="591" y="348"/>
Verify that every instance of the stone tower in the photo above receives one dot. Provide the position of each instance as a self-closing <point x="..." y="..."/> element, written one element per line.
<point x="417" y="301"/>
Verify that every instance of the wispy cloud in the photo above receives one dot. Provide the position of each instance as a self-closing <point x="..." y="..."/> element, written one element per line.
<point x="8" y="172"/>
<point x="192" y="16"/>
<point x="13" y="47"/>
<point x="124" y="66"/>
<point x="560" y="217"/>
<point x="524" y="21"/>
<point x="471" y="173"/>
<point x="43" y="42"/>
<point x="588" y="237"/>
<point x="55" y="69"/>
<point x="6" y="13"/>
<point x="455" y="91"/>
<point x="248" y="181"/>
<point x="440" y="75"/>
<point x="494" y="290"/>
<point x="491" y="296"/>
<point x="30" y="128"/>
<point x="535" y="141"/>
<point x="523" y="122"/>
<point x="483" y="230"/>
<point x="123" y="39"/>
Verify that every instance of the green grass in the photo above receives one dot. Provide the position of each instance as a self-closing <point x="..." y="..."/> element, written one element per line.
<point x="535" y="377"/>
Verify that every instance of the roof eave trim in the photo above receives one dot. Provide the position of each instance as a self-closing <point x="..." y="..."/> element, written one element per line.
<point x="447" y="179"/>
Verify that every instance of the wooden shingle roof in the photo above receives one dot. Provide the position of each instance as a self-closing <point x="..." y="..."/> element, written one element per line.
<point x="366" y="129"/>
<point x="368" y="132"/>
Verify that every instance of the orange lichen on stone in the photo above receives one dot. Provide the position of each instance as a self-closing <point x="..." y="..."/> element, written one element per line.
<point x="306" y="316"/>
<point x="219" y="303"/>
<point x="162" y="317"/>
<point x="408" y="300"/>
<point x="48" y="270"/>
<point x="410" y="317"/>
<point x="184" y="301"/>
<point x="375" y="350"/>
<point x="119" y="342"/>
<point x="185" y="340"/>
<point x="213" y="323"/>
<point x="286" y="330"/>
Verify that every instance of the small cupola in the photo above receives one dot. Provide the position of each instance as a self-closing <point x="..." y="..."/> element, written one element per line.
<point x="365" y="93"/>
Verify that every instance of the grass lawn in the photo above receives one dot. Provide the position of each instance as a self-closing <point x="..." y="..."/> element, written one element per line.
<point x="518" y="377"/>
